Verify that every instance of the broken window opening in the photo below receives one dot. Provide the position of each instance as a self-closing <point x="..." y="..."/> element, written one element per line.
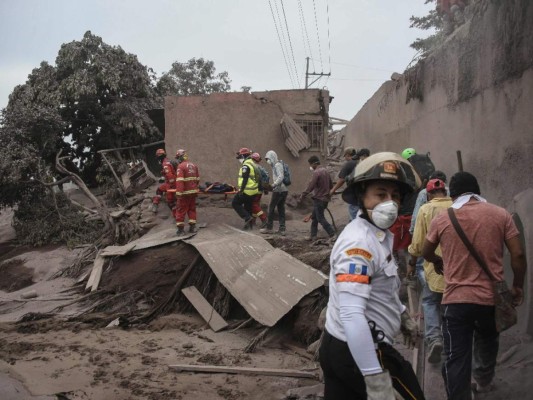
<point x="314" y="131"/>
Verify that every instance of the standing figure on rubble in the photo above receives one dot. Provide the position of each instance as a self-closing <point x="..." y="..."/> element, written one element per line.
<point x="257" y="211"/>
<point x="167" y="180"/>
<point x="364" y="312"/>
<point x="319" y="186"/>
<point x="187" y="181"/>
<point x="247" y="186"/>
<point x="279" y="194"/>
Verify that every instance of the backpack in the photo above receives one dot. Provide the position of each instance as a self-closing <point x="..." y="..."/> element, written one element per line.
<point x="422" y="165"/>
<point x="260" y="176"/>
<point x="263" y="177"/>
<point x="286" y="174"/>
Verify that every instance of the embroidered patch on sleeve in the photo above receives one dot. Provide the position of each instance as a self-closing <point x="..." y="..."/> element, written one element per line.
<point x="359" y="252"/>
<point x="358" y="269"/>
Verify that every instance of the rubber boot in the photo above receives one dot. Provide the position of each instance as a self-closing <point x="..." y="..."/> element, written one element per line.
<point x="180" y="231"/>
<point x="193" y="228"/>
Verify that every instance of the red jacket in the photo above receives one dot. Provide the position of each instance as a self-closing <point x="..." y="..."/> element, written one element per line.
<point x="168" y="172"/>
<point x="187" y="178"/>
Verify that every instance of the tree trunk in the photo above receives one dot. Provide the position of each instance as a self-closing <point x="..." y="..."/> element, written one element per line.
<point x="100" y="208"/>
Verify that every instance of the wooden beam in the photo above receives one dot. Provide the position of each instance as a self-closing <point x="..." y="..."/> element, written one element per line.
<point x="215" y="369"/>
<point x="96" y="273"/>
<point x="208" y="313"/>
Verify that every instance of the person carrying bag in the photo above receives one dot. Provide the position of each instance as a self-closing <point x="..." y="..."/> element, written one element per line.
<point x="505" y="312"/>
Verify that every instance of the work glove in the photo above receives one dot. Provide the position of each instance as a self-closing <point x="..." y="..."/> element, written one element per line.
<point x="161" y="180"/>
<point x="409" y="330"/>
<point x="379" y="386"/>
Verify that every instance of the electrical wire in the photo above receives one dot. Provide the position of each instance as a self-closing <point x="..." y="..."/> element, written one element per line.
<point x="329" y="41"/>
<point x="304" y="29"/>
<point x="361" y="67"/>
<point x="290" y="42"/>
<point x="280" y="43"/>
<point x="318" y="37"/>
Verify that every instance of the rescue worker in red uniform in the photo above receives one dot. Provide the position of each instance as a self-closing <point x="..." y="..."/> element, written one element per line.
<point x="168" y="175"/>
<point x="187" y="180"/>
<point x="257" y="211"/>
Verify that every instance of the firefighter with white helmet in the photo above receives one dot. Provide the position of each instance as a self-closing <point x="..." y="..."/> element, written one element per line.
<point x="364" y="312"/>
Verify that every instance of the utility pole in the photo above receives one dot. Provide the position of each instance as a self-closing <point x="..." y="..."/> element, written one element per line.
<point x="308" y="74"/>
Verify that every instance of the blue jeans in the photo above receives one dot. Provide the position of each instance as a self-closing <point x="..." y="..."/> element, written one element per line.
<point x="460" y="324"/>
<point x="432" y="315"/>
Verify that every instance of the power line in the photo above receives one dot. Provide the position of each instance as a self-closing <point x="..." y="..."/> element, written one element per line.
<point x="353" y="79"/>
<point x="318" y="37"/>
<point x="361" y="67"/>
<point x="280" y="43"/>
<point x="329" y="40"/>
<point x="280" y="22"/>
<point x="290" y="42"/>
<point x="304" y="29"/>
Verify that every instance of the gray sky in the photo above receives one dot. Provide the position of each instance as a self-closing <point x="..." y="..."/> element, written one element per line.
<point x="368" y="39"/>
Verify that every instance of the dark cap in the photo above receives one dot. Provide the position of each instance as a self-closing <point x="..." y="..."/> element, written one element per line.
<point x="313" y="160"/>
<point x="363" y="152"/>
<point x="463" y="182"/>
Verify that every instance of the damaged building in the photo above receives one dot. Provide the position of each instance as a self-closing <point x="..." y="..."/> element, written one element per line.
<point x="212" y="128"/>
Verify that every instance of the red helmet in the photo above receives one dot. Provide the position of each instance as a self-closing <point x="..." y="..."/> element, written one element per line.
<point x="160" y="152"/>
<point x="435" y="184"/>
<point x="244" y="151"/>
<point x="256" y="157"/>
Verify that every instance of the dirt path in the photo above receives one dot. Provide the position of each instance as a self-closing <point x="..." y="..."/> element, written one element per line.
<point x="118" y="364"/>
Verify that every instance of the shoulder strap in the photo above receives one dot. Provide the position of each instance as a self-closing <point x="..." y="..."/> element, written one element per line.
<point x="467" y="243"/>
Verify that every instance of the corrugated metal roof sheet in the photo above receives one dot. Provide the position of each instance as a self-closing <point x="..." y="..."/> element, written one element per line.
<point x="266" y="281"/>
<point x="295" y="138"/>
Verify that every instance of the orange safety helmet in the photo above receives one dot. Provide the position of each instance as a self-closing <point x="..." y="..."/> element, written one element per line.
<point x="256" y="157"/>
<point x="244" y="151"/>
<point x="160" y="152"/>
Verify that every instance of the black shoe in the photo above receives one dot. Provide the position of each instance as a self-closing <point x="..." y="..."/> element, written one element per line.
<point x="180" y="231"/>
<point x="193" y="228"/>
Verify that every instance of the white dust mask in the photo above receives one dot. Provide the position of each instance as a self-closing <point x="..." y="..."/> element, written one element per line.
<point x="269" y="162"/>
<point x="311" y="169"/>
<point x="241" y="160"/>
<point x="384" y="214"/>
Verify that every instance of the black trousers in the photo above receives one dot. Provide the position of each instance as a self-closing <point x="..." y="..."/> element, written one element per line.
<point x="343" y="379"/>
<point x="319" y="207"/>
<point x="278" y="200"/>
<point x="242" y="204"/>
<point x="468" y="329"/>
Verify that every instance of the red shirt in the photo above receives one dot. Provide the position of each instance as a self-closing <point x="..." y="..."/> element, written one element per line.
<point x="487" y="227"/>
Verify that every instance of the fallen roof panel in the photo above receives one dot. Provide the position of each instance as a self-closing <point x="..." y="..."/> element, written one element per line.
<point x="266" y="281"/>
